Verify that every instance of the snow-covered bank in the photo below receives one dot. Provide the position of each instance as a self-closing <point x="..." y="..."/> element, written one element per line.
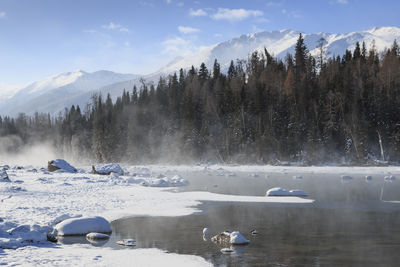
<point x="86" y="255"/>
<point x="35" y="200"/>
<point x="231" y="169"/>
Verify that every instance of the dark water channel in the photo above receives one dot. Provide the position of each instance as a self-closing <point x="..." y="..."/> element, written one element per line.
<point x="351" y="223"/>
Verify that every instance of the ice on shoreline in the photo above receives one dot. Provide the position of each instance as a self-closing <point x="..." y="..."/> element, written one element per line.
<point x="34" y="201"/>
<point x="277" y="191"/>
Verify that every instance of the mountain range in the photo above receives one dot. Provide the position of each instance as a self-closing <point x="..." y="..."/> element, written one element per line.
<point x="57" y="92"/>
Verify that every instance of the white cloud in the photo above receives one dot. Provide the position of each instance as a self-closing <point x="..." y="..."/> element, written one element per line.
<point x="197" y="12"/>
<point x="146" y="4"/>
<point x="187" y="30"/>
<point x="342" y="2"/>
<point x="90" y="31"/>
<point x="178" y="45"/>
<point x="262" y="20"/>
<point x="254" y="28"/>
<point x="168" y="1"/>
<point x="2" y="14"/>
<point x="274" y="4"/>
<point x="235" y="14"/>
<point x="115" y="27"/>
<point x="180" y="4"/>
<point x="294" y="13"/>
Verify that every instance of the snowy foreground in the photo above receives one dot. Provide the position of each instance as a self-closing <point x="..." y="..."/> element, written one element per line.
<point x="33" y="201"/>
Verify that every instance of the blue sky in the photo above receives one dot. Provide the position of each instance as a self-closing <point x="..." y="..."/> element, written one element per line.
<point x="39" y="38"/>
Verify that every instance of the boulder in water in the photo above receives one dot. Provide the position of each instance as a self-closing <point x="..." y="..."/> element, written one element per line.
<point x="346" y="177"/>
<point x="206" y="231"/>
<point x="233" y="238"/>
<point x="60" y="164"/>
<point x="297" y="193"/>
<point x="277" y="191"/>
<point x="390" y="178"/>
<point x="97" y="236"/>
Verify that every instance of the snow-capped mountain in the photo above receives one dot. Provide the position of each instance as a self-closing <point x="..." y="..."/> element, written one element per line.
<point x="279" y="43"/>
<point x="57" y="92"/>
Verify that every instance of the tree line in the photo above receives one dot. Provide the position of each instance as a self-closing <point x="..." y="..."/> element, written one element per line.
<point x="306" y="109"/>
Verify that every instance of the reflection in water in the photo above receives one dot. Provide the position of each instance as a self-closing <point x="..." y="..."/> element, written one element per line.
<point x="288" y="235"/>
<point x="348" y="225"/>
<point x="81" y="239"/>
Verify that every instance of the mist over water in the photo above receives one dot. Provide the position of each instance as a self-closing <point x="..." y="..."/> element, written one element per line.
<point x="13" y="152"/>
<point x="347" y="225"/>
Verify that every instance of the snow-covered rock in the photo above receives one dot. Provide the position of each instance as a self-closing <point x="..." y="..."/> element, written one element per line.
<point x="346" y="177"/>
<point x="234" y="238"/>
<point x="227" y="251"/>
<point x="390" y="178"/>
<point x="5" y="167"/>
<point x="298" y="193"/>
<point x="107" y="169"/>
<point x="83" y="226"/>
<point x="97" y="236"/>
<point x="281" y="192"/>
<point x="20" y="235"/>
<point x="127" y="242"/>
<point x="206" y="231"/>
<point x="4" y="176"/>
<point x="277" y="191"/>
<point x="238" y="239"/>
<point x="64" y="217"/>
<point x="176" y="180"/>
<point x="60" y="164"/>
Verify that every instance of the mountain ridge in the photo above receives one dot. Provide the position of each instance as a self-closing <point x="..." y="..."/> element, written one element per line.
<point x="56" y="92"/>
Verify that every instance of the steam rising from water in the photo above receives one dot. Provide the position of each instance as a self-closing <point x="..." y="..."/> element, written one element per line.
<point x="13" y="152"/>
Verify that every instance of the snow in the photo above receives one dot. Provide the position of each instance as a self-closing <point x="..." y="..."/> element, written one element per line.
<point x="277" y="191"/>
<point x="86" y="255"/>
<point x="54" y="93"/>
<point x="279" y="43"/>
<point x="62" y="165"/>
<point x="97" y="236"/>
<point x="206" y="231"/>
<point x="346" y="177"/>
<point x="176" y="180"/>
<point x="390" y="178"/>
<point x="127" y="242"/>
<point x="4" y="176"/>
<point x="271" y="169"/>
<point x="83" y="226"/>
<point x="238" y="239"/>
<point x="32" y="203"/>
<point x="297" y="192"/>
<point x="108" y="168"/>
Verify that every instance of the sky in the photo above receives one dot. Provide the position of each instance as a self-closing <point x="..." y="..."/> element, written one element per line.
<point x="39" y="38"/>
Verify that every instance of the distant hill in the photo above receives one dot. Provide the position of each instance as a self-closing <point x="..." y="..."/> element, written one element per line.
<point x="57" y="92"/>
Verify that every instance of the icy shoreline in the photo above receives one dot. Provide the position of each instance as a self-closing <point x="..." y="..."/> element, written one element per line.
<point x="35" y="199"/>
